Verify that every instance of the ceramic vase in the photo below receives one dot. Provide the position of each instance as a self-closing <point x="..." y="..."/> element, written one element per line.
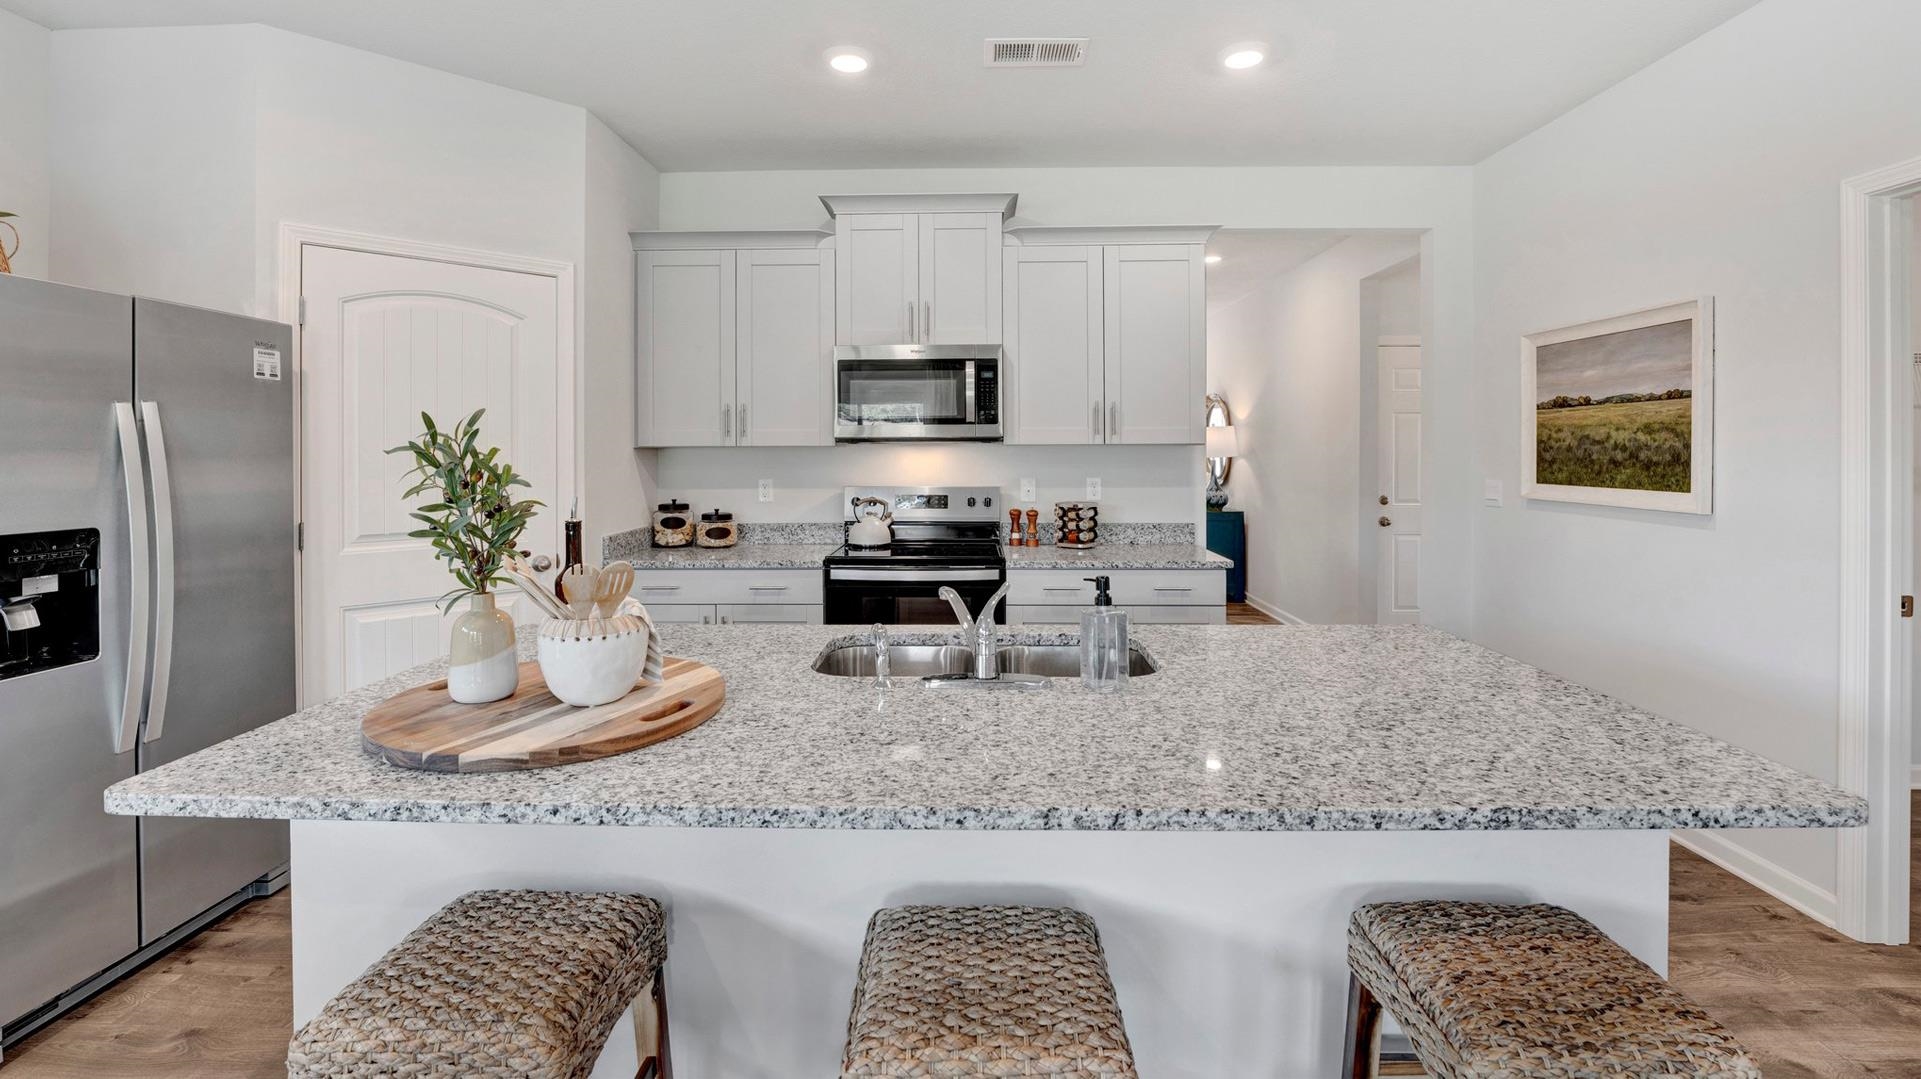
<point x="480" y="658"/>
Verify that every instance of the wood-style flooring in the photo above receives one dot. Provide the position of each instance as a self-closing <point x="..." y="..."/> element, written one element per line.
<point x="1242" y="614"/>
<point x="1808" y="1002"/>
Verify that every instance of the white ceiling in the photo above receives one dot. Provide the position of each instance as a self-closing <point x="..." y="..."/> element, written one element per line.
<point x="1253" y="258"/>
<point x="740" y="84"/>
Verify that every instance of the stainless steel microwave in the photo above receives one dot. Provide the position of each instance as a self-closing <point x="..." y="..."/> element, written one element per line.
<point x="894" y="393"/>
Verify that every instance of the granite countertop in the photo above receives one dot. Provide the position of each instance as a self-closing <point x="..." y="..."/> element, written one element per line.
<point x="1244" y="728"/>
<point x="1117" y="556"/>
<point x="739" y="556"/>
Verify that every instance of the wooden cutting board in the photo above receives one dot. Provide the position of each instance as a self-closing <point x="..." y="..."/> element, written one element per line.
<point x="424" y="728"/>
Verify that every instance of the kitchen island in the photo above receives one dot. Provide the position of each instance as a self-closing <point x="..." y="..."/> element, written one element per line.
<point x="1219" y="819"/>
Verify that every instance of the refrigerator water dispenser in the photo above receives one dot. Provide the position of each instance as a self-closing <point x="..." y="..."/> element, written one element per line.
<point x="49" y="600"/>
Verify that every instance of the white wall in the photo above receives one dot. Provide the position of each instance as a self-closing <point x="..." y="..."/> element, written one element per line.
<point x="1138" y="483"/>
<point x="1437" y="200"/>
<point x="1713" y="171"/>
<point x="153" y="161"/>
<point x="1291" y="362"/>
<point x="25" y="82"/>
<point x="622" y="195"/>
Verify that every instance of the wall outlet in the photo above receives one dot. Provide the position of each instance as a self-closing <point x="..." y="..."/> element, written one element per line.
<point x="766" y="490"/>
<point x="1093" y="487"/>
<point x="1027" y="490"/>
<point x="1491" y="492"/>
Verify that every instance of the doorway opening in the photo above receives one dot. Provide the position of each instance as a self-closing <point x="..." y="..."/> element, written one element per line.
<point x="1313" y="343"/>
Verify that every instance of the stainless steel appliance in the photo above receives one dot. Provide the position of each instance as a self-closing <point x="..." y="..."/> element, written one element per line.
<point x="892" y="393"/>
<point x="147" y="528"/>
<point x="943" y="537"/>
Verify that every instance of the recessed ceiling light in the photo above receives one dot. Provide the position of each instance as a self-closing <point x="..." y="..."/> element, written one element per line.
<point x="1212" y="259"/>
<point x="847" y="59"/>
<point x="1244" y="55"/>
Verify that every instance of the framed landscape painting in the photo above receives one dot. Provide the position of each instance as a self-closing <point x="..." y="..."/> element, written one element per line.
<point x="1620" y="412"/>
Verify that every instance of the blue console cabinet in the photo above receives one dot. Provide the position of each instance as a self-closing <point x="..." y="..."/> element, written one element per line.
<point x="1227" y="535"/>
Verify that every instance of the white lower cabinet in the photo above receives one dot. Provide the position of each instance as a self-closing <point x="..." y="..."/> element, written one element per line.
<point x="1057" y="596"/>
<point x="729" y="596"/>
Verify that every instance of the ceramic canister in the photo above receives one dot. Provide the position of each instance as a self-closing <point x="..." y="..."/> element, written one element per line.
<point x="480" y="654"/>
<point x="592" y="661"/>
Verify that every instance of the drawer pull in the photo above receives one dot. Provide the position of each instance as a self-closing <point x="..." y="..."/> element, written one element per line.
<point x="1062" y="588"/>
<point x="1173" y="588"/>
<point x="766" y="588"/>
<point x="660" y="588"/>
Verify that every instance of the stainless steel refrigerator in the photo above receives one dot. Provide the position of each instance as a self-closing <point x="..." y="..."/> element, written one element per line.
<point x="147" y="546"/>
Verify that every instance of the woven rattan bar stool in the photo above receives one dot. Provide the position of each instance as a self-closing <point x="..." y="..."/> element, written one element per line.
<point x="1521" y="992"/>
<point x="961" y="991"/>
<point x="500" y="983"/>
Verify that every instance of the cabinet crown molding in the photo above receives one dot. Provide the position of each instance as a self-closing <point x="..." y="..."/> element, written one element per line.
<point x="732" y="239"/>
<point x="922" y="203"/>
<point x="1093" y="235"/>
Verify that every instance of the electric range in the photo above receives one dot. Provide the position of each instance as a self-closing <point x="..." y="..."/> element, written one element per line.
<point x="942" y="537"/>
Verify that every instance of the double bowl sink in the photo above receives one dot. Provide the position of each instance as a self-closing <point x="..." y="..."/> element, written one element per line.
<point x="856" y="660"/>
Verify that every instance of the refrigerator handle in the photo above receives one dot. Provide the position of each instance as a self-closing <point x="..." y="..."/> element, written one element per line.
<point x="142" y="588"/>
<point x="162" y="571"/>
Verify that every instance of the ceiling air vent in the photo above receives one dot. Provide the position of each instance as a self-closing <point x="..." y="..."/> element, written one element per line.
<point x="1035" y="52"/>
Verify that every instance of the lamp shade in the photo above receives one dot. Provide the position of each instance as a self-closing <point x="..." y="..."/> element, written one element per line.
<point x="1222" y="442"/>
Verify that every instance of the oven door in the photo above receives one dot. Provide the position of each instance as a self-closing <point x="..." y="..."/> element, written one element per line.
<point x="906" y="596"/>
<point x="894" y="393"/>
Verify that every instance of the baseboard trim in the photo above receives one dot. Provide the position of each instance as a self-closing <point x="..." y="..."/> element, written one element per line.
<point x="1796" y="891"/>
<point x="1274" y="612"/>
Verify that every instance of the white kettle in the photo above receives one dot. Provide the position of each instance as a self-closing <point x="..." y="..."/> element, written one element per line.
<point x="871" y="528"/>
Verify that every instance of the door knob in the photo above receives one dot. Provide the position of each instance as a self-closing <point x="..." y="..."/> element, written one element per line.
<point x="1383" y="500"/>
<point x="1385" y="522"/>
<point x="542" y="563"/>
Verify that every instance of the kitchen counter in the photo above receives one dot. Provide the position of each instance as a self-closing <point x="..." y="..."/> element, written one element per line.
<point x="1116" y="556"/>
<point x="1245" y="728"/>
<point x="1218" y="820"/>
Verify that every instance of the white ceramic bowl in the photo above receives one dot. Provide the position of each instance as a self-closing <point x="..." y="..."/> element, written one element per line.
<point x="587" y="668"/>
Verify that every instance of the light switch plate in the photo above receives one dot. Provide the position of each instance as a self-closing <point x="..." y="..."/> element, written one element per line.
<point x="1491" y="492"/>
<point x="766" y="490"/>
<point x="1093" y="487"/>
<point x="1027" y="490"/>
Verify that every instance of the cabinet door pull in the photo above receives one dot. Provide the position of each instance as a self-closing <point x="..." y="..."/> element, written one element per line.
<point x="927" y="320"/>
<point x="1095" y="424"/>
<point x="912" y="335"/>
<point x="1113" y="419"/>
<point x="727" y="421"/>
<point x="743" y="424"/>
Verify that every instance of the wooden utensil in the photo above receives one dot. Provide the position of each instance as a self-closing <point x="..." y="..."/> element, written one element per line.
<point x="422" y="728"/>
<point x="531" y="585"/>
<point x="616" y="579"/>
<point x="577" y="584"/>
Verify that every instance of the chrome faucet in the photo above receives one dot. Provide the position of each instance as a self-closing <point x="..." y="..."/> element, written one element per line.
<point x="980" y="631"/>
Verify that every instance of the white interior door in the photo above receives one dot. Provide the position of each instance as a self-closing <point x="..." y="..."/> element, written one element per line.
<point x="1399" y="425"/>
<point x="385" y="339"/>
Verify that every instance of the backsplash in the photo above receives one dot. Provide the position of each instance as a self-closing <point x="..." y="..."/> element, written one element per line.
<point x="627" y="544"/>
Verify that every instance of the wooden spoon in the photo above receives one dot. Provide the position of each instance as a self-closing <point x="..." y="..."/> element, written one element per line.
<point x="616" y="578"/>
<point x="577" y="584"/>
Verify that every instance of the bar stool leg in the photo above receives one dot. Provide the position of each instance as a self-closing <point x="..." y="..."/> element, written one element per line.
<point x="1361" y="1060"/>
<point x="650" y="1030"/>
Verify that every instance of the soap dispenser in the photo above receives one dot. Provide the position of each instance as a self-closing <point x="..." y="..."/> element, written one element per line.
<point x="1103" y="641"/>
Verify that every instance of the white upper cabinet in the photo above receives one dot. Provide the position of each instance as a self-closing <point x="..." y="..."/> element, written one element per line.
<point x="877" y="283"/>
<point x="785" y="338"/>
<point x="1106" y="338"/>
<point x="918" y="269"/>
<point x="733" y="347"/>
<point x="684" y="348"/>
<point x="1156" y="300"/>
<point x="1055" y="355"/>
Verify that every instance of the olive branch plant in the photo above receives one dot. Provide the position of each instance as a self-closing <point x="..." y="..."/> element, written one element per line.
<point x="477" y="521"/>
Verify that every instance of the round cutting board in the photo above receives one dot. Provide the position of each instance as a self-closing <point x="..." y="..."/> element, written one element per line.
<point x="531" y="728"/>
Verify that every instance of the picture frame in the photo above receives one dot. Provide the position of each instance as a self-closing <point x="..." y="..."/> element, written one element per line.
<point x="1604" y="419"/>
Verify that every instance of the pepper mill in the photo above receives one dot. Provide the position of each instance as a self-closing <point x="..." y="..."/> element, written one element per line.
<point x="1014" y="527"/>
<point x="1033" y="528"/>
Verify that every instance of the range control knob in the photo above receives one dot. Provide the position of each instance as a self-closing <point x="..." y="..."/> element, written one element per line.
<point x="988" y="502"/>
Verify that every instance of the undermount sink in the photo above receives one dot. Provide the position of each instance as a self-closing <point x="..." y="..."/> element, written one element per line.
<point x="921" y="660"/>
